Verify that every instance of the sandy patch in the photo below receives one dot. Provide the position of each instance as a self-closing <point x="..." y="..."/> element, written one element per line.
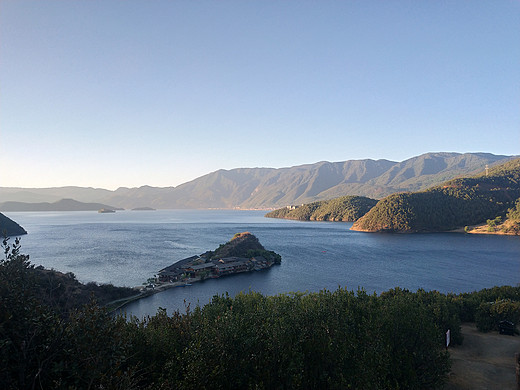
<point x="486" y="361"/>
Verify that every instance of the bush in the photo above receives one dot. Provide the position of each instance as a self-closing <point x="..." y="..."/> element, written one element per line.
<point x="468" y="303"/>
<point x="489" y="314"/>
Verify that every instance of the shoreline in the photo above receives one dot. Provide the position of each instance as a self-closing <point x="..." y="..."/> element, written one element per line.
<point x="483" y="229"/>
<point x="116" y="305"/>
<point x="146" y="292"/>
<point x="243" y="253"/>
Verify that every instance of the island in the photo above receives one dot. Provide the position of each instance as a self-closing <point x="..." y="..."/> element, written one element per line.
<point x="243" y="253"/>
<point x="143" y="209"/>
<point x="106" y="211"/>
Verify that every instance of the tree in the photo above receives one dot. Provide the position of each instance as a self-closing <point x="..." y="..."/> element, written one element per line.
<point x="30" y="333"/>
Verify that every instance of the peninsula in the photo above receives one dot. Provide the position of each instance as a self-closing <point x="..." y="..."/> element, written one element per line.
<point x="10" y="228"/>
<point x="342" y="209"/>
<point x="243" y="253"/>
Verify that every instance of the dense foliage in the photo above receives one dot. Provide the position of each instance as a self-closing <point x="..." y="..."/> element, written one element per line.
<point x="511" y="225"/>
<point x="469" y="304"/>
<point x="324" y="340"/>
<point x="61" y="291"/>
<point x="457" y="203"/>
<point x="345" y="208"/>
<point x="42" y="346"/>
<point x="514" y="212"/>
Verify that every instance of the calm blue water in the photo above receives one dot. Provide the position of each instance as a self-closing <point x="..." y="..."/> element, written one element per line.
<point x="127" y="247"/>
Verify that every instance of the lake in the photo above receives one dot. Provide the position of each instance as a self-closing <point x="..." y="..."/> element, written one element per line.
<point x="128" y="247"/>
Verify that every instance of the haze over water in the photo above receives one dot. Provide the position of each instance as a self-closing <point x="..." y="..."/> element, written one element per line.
<point x="127" y="247"/>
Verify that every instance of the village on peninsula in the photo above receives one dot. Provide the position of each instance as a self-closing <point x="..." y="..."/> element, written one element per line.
<point x="243" y="253"/>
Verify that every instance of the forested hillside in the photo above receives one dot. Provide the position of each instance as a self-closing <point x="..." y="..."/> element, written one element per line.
<point x="343" y="209"/>
<point x="454" y="204"/>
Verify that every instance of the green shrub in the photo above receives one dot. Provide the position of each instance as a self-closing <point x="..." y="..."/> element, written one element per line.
<point x="489" y="314"/>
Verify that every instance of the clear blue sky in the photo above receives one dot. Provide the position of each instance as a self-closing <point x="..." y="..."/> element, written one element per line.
<point x="127" y="93"/>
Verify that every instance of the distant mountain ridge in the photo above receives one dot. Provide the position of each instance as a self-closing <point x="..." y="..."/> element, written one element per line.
<point x="61" y="205"/>
<point x="265" y="188"/>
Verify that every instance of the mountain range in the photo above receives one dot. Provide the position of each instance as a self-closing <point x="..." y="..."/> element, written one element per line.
<point x="265" y="188"/>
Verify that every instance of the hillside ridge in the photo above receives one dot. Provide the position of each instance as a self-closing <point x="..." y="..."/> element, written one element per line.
<point x="456" y="203"/>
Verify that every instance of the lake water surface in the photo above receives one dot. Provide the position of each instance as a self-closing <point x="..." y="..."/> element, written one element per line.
<point x="127" y="247"/>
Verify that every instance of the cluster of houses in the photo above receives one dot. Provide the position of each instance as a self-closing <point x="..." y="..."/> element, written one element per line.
<point x="201" y="267"/>
<point x="293" y="207"/>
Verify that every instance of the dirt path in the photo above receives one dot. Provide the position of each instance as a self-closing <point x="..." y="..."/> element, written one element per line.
<point x="486" y="361"/>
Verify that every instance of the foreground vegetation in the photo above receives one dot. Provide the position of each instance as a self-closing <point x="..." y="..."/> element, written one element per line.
<point x="343" y="209"/>
<point x="321" y="340"/>
<point x="456" y="203"/>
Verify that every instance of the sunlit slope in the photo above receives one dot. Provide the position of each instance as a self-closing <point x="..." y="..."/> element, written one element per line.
<point x="454" y="204"/>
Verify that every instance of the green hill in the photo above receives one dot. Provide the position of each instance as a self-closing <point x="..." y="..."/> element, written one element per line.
<point x="456" y="203"/>
<point x="345" y="208"/>
<point x="9" y="227"/>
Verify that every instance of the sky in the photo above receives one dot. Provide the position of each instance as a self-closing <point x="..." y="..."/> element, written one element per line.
<point x="128" y="93"/>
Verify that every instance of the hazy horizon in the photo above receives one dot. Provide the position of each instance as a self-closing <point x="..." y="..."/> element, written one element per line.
<point x="124" y="94"/>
